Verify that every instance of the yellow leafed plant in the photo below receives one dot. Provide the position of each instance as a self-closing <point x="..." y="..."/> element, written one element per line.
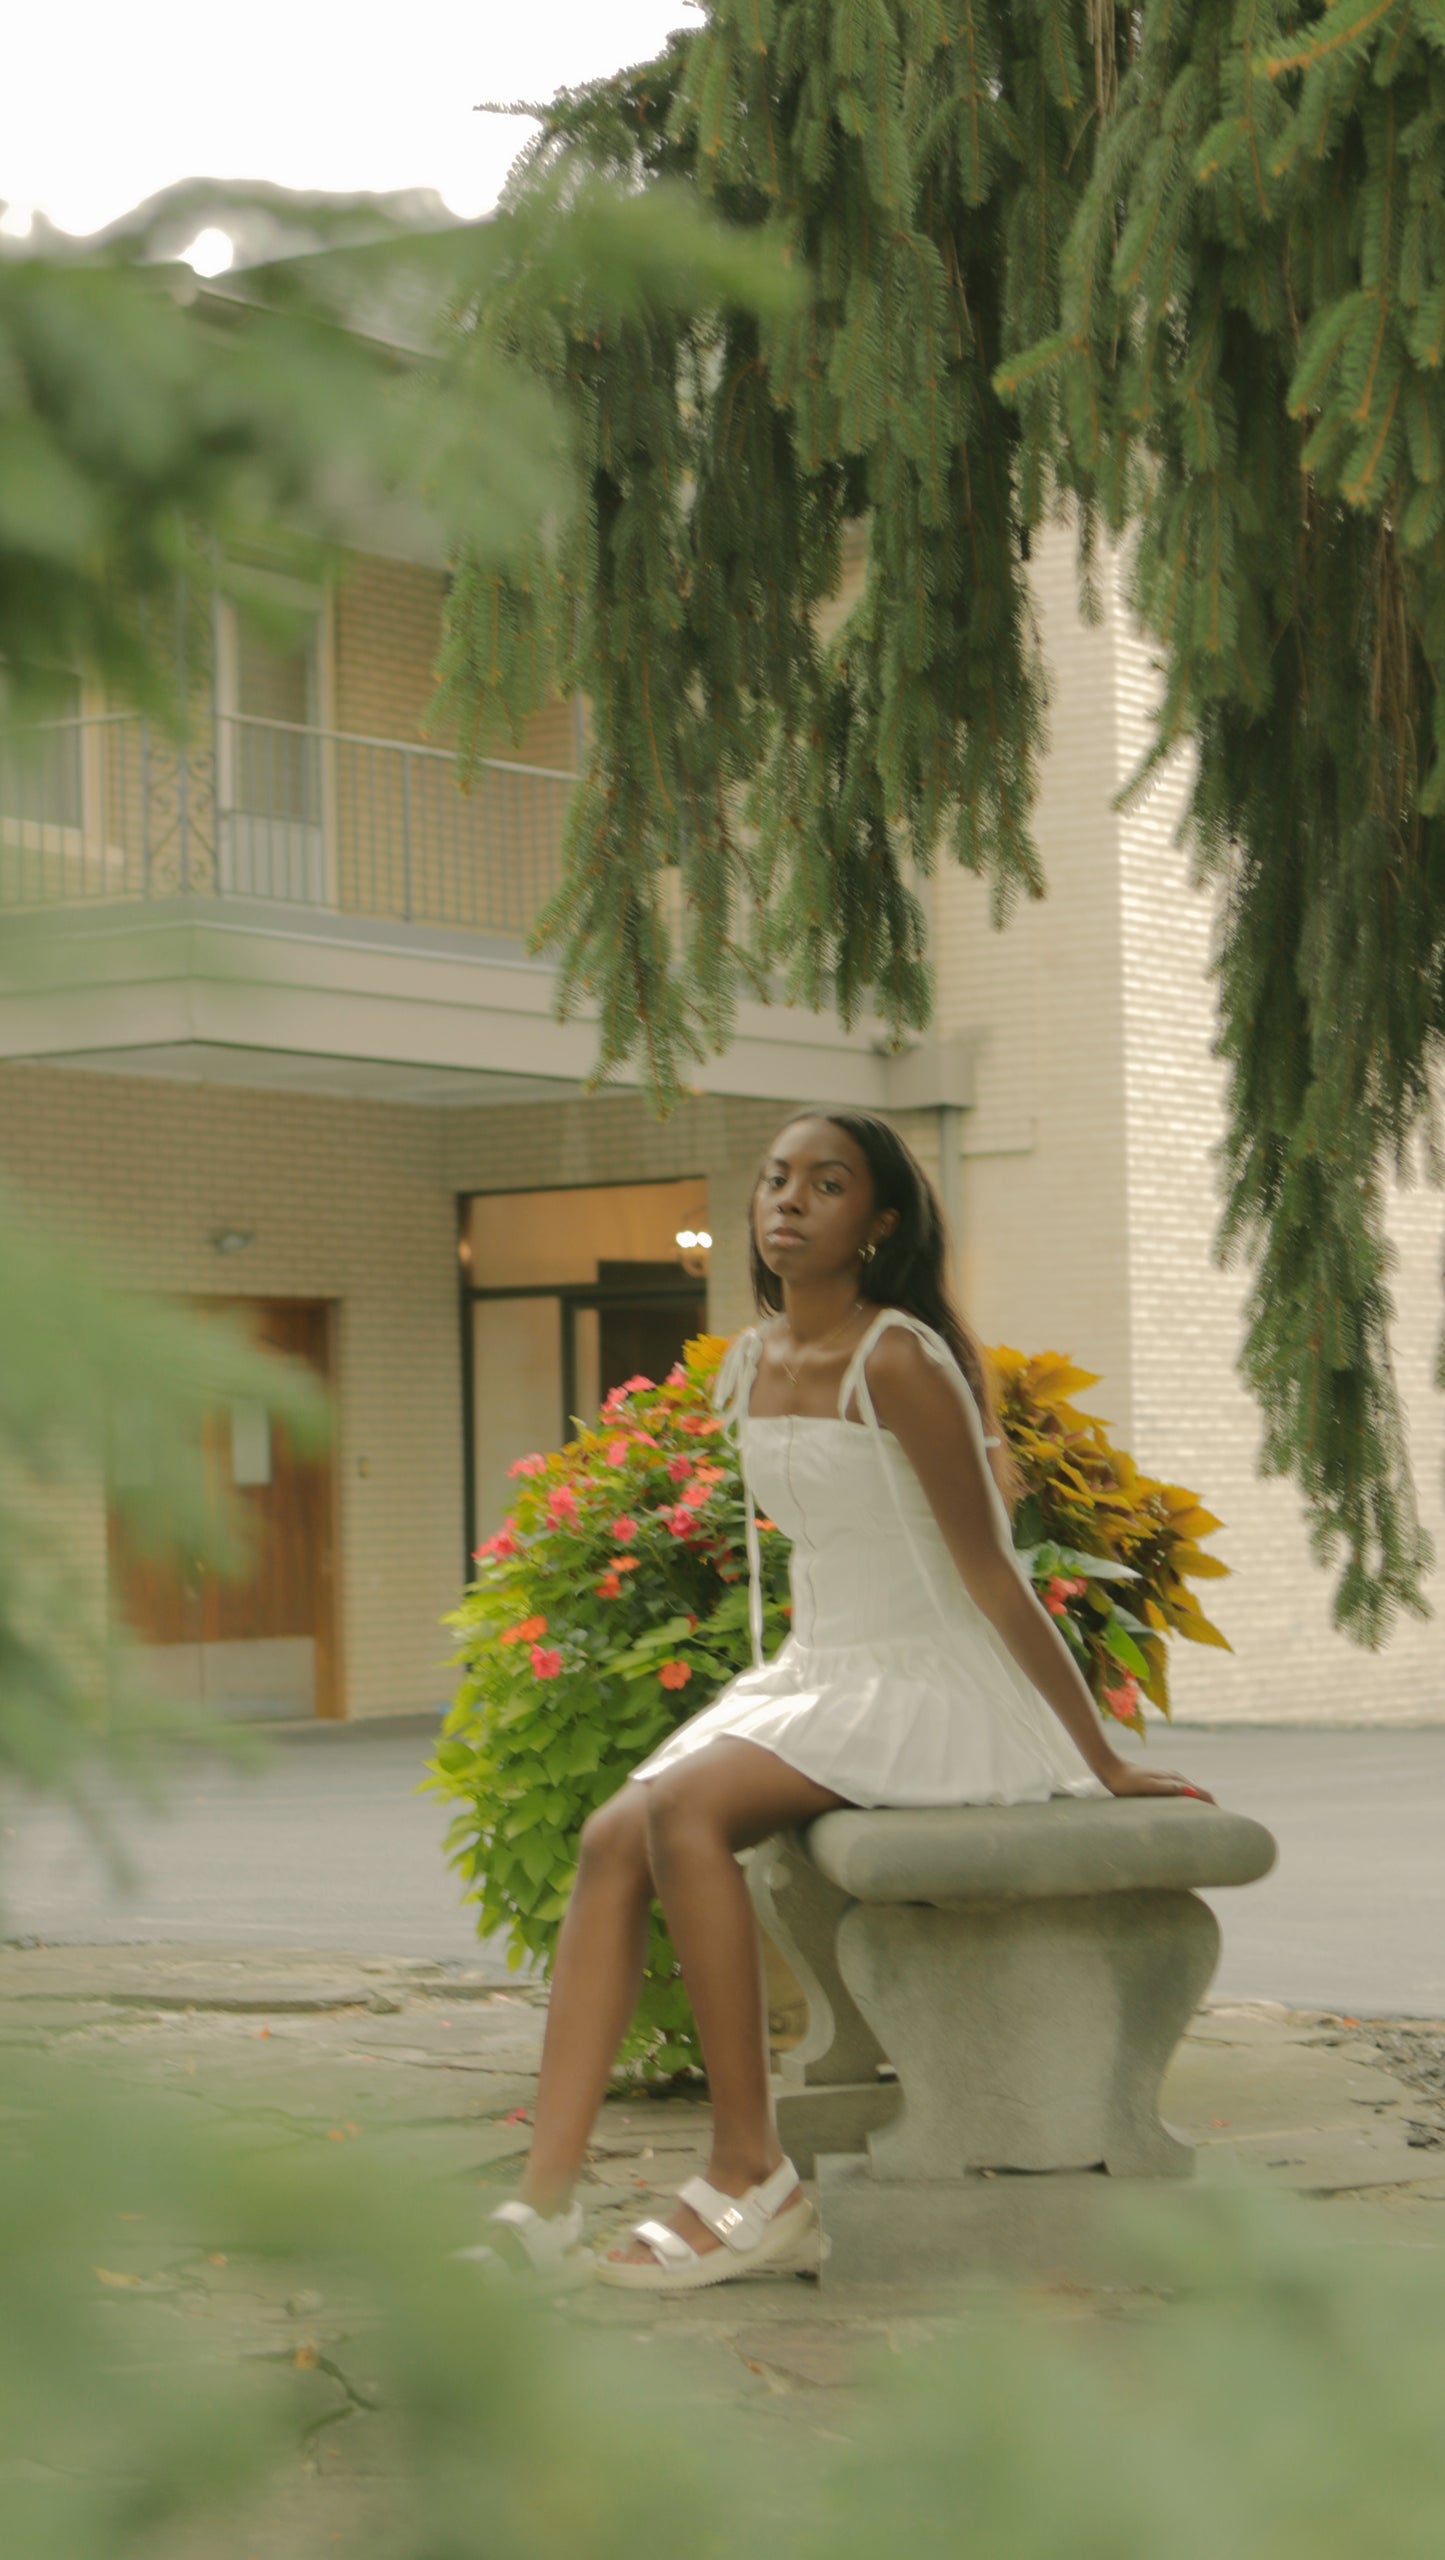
<point x="1091" y="1526"/>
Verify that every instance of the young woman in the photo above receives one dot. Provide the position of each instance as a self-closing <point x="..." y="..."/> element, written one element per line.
<point x="920" y="1670"/>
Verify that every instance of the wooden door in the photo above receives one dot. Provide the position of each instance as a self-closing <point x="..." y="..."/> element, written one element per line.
<point x="265" y="1641"/>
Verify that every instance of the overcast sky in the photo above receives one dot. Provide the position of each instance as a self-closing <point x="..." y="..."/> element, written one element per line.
<point x="106" y="101"/>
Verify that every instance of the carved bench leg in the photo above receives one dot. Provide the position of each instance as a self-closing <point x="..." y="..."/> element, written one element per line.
<point x="831" y="2098"/>
<point x="1030" y="2035"/>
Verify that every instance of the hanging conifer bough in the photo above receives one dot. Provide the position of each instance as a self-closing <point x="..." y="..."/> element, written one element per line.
<point x="755" y="802"/>
<point x="1249" y="374"/>
<point x="1182" y="269"/>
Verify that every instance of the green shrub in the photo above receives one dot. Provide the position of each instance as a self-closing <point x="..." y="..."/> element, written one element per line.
<point x="613" y="1604"/>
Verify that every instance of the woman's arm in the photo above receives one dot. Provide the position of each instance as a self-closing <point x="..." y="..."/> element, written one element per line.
<point x="927" y="1416"/>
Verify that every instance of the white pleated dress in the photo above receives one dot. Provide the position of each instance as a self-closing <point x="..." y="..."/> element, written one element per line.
<point x="892" y="1687"/>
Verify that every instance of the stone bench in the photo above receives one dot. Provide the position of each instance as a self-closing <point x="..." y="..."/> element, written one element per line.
<point x="1026" y="1970"/>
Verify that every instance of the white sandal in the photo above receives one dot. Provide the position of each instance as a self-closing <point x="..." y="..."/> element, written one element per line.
<point x="756" y="2238"/>
<point x="551" y="2255"/>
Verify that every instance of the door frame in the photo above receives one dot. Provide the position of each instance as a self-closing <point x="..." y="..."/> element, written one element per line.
<point x="571" y="1297"/>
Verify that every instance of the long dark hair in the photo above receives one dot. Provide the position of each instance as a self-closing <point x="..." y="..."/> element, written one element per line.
<point x="910" y="1266"/>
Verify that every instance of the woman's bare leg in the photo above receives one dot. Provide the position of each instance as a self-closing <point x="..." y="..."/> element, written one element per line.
<point x="595" y="1985"/>
<point x="700" y="1813"/>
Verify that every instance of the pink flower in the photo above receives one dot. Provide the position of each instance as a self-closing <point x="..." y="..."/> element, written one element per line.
<point x="679" y="1469"/>
<point x="1124" y="1700"/>
<point x="614" y="1400"/>
<point x="546" y="1661"/>
<point x="1057" y="1592"/>
<point x="533" y="1466"/>
<point x="617" y="1452"/>
<point x="624" y="1531"/>
<point x="561" y="1508"/>
<point x="677" y="1375"/>
<point x="680" y="1522"/>
<point x="501" y="1546"/>
<point x="674" y="1675"/>
<point x="631" y="1386"/>
<point x="694" y="1496"/>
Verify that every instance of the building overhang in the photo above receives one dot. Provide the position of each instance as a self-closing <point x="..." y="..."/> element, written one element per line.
<point x="246" y="993"/>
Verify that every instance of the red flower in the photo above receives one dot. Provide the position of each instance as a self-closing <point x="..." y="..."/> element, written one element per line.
<point x="694" y="1495"/>
<point x="625" y="1564"/>
<point x="624" y="1531"/>
<point x="525" y="1632"/>
<point x="766" y="1524"/>
<point x="501" y="1546"/>
<point x="699" y="1426"/>
<point x="617" y="1453"/>
<point x="562" y="1508"/>
<point x="614" y="1400"/>
<point x="1124" y="1700"/>
<point x="679" y="1469"/>
<point x="609" y="1588"/>
<point x="677" y="1375"/>
<point x="675" y="1675"/>
<point x="536" y="1465"/>
<point x="632" y="1386"/>
<point x="546" y="1661"/>
<point x="680" y="1522"/>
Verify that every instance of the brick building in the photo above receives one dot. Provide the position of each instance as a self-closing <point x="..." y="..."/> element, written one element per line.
<point x="271" y="1036"/>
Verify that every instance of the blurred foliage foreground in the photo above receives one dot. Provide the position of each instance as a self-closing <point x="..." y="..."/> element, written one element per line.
<point x="1262" y="2397"/>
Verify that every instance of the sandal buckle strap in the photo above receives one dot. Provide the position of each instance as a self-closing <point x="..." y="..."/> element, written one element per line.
<point x="740" y="2221"/>
<point x="667" y="2246"/>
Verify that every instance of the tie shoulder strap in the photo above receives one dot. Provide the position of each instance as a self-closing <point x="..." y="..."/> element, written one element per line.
<point x="733" y="1385"/>
<point x="732" y="1394"/>
<point x="855" y="1382"/>
<point x="855" y="1378"/>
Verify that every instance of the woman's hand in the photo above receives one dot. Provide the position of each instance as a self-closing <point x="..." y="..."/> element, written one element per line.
<point x="1126" y="1778"/>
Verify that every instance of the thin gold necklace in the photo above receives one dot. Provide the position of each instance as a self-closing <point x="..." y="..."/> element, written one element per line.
<point x="824" y="1338"/>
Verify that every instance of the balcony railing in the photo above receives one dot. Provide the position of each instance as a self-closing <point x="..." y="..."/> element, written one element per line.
<point x="111" y="807"/>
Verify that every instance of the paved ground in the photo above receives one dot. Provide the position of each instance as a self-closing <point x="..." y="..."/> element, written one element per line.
<point x="331" y="1846"/>
<point x="431" y="2071"/>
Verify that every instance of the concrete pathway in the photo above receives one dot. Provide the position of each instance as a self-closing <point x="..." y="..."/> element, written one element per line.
<point x="330" y="1845"/>
<point x="293" y="1970"/>
<point x="432" y="2069"/>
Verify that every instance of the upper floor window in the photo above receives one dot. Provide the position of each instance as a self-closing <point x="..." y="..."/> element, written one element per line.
<point x="42" y="770"/>
<point x="275" y="707"/>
